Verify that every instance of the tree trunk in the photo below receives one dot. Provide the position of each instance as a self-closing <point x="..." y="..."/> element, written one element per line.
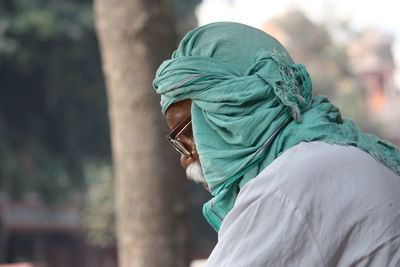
<point x="135" y="36"/>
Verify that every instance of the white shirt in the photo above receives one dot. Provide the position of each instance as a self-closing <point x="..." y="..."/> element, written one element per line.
<point x="315" y="205"/>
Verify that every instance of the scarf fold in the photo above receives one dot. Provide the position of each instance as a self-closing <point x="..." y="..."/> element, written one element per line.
<point x="244" y="86"/>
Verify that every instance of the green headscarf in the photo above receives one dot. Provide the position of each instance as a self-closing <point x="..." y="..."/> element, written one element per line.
<point x="246" y="91"/>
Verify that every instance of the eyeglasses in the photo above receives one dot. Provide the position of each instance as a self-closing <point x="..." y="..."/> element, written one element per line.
<point x="173" y="137"/>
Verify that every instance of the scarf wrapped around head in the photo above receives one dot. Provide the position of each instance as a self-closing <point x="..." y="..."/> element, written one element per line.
<point x="245" y="88"/>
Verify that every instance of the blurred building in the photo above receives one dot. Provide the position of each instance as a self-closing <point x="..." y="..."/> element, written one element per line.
<point x="372" y="61"/>
<point x="50" y="237"/>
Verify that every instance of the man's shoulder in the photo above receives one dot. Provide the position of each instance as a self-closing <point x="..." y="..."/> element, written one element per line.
<point x="310" y="162"/>
<point x="316" y="175"/>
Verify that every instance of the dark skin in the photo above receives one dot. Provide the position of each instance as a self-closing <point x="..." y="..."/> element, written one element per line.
<point x="175" y="115"/>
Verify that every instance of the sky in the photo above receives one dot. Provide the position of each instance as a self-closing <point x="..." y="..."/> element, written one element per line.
<point x="383" y="14"/>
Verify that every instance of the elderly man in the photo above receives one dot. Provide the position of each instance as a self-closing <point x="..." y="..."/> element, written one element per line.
<point x="293" y="183"/>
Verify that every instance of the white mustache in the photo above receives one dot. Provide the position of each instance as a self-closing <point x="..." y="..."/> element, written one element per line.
<point x="195" y="173"/>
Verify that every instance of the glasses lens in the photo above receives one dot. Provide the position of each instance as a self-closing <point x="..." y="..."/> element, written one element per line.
<point x="173" y="137"/>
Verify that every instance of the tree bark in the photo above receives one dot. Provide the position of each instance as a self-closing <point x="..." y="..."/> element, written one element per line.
<point x="135" y="36"/>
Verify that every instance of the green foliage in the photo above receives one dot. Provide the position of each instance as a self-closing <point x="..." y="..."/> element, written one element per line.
<point x="53" y="114"/>
<point x="98" y="212"/>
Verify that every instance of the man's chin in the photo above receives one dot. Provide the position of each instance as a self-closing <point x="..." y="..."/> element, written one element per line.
<point x="195" y="173"/>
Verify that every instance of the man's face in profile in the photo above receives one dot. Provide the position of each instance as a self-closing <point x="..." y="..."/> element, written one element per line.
<point x="177" y="115"/>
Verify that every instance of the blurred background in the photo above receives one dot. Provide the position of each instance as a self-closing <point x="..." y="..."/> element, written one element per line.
<point x="56" y="174"/>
